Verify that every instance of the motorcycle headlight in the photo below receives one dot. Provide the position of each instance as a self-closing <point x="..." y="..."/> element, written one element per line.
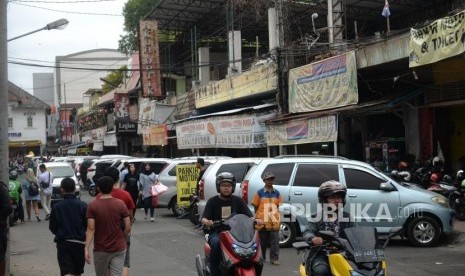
<point x="441" y="201"/>
<point x="244" y="252"/>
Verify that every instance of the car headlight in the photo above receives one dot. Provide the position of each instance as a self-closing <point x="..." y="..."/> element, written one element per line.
<point x="439" y="199"/>
<point x="244" y="252"/>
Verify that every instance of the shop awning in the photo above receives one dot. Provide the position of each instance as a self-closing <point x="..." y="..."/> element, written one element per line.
<point x="26" y="143"/>
<point x="75" y="145"/>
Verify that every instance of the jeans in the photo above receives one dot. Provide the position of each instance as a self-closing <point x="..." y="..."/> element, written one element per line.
<point x="215" y="253"/>
<point x="148" y="205"/>
<point x="269" y="239"/>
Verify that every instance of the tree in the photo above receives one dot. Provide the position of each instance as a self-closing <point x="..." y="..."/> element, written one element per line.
<point x="114" y="79"/>
<point x="133" y="12"/>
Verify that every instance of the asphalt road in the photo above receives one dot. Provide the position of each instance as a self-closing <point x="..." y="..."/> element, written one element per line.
<point x="168" y="247"/>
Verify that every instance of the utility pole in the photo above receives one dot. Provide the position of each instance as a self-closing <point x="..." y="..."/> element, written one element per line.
<point x="4" y="113"/>
<point x="283" y="68"/>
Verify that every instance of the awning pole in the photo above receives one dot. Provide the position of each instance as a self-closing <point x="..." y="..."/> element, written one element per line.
<point x="335" y="148"/>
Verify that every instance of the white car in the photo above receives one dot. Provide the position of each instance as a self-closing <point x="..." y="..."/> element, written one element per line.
<point x="60" y="170"/>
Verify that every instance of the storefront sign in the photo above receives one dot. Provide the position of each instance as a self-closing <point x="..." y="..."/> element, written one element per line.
<point x="439" y="40"/>
<point x="322" y="129"/>
<point x="14" y="134"/>
<point x="155" y="136"/>
<point x="121" y="110"/>
<point x="98" y="146"/>
<point x="150" y="60"/>
<point x="126" y="127"/>
<point x="324" y="84"/>
<point x="110" y="140"/>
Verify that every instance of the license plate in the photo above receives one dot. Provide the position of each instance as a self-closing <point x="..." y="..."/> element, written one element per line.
<point x="368" y="256"/>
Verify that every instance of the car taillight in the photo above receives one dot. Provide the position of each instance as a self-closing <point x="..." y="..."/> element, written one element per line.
<point x="202" y="189"/>
<point x="245" y="191"/>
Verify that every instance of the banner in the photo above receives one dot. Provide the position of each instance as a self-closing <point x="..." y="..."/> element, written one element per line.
<point x="186" y="182"/>
<point x="110" y="140"/>
<point x="237" y="131"/>
<point x="324" y="84"/>
<point x="439" y="40"/>
<point x="314" y="130"/>
<point x="146" y="114"/>
<point x="121" y="110"/>
<point x="150" y="59"/>
<point x="155" y="136"/>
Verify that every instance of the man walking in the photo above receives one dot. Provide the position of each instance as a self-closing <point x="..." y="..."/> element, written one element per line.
<point x="266" y="202"/>
<point x="45" y="181"/>
<point x="200" y="164"/>
<point x="104" y="216"/>
<point x="5" y="210"/>
<point x="68" y="223"/>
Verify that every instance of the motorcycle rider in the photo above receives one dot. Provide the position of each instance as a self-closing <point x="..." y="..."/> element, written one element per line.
<point x="331" y="196"/>
<point x="221" y="207"/>
<point x="15" y="193"/>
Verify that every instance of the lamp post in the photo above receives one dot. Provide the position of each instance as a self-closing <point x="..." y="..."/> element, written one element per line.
<point x="59" y="24"/>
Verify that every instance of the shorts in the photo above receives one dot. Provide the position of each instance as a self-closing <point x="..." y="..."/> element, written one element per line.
<point x="126" y="258"/>
<point x="71" y="257"/>
<point x="3" y="242"/>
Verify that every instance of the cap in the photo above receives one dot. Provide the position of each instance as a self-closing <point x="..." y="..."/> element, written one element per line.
<point x="268" y="175"/>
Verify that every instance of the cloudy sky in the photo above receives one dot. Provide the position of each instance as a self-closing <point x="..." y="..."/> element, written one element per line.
<point x="93" y="24"/>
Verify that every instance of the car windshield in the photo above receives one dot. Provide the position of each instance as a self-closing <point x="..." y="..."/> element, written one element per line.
<point x="63" y="171"/>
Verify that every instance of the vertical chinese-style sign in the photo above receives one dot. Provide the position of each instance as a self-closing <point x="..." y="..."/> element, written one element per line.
<point x="150" y="59"/>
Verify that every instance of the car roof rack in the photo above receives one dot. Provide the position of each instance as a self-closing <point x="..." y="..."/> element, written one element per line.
<point x="311" y="156"/>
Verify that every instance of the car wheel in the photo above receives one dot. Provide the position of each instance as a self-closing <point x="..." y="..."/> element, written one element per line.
<point x="92" y="190"/>
<point x="178" y="210"/>
<point x="287" y="234"/>
<point x="423" y="232"/>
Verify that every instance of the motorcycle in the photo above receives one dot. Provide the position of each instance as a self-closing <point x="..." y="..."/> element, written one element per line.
<point x="192" y="211"/>
<point x="360" y="254"/>
<point x="14" y="215"/>
<point x="240" y="248"/>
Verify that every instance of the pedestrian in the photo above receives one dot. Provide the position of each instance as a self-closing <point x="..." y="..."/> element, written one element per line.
<point x="332" y="197"/>
<point x="123" y="172"/>
<point x="104" y="217"/>
<point x="5" y="210"/>
<point x="126" y="198"/>
<point x="200" y="164"/>
<point x="31" y="200"/>
<point x="130" y="184"/>
<point x="266" y="202"/>
<point x="45" y="181"/>
<point x="68" y="223"/>
<point x="146" y="179"/>
<point x="15" y="193"/>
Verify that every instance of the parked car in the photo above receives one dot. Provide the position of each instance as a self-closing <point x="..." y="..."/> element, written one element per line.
<point x="60" y="170"/>
<point x="372" y="197"/>
<point x="95" y="170"/>
<point x="168" y="177"/>
<point x="157" y="164"/>
<point x="207" y="187"/>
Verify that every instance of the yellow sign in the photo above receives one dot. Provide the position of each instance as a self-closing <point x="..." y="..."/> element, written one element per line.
<point x="186" y="177"/>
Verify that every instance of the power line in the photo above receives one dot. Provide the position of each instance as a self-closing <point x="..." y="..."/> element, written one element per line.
<point x="85" y="13"/>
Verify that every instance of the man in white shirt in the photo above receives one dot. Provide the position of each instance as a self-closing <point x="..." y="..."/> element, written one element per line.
<point x="45" y="181"/>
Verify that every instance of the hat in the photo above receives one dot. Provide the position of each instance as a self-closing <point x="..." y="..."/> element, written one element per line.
<point x="268" y="175"/>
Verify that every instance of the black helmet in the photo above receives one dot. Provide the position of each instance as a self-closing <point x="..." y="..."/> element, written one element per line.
<point x="330" y="188"/>
<point x="225" y="177"/>
<point x="13" y="175"/>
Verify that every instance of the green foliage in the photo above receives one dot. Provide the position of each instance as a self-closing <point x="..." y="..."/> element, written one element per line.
<point x="133" y="11"/>
<point x="114" y="79"/>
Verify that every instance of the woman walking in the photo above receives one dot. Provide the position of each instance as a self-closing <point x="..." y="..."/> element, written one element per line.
<point x="130" y="184"/>
<point x="146" y="179"/>
<point x="31" y="200"/>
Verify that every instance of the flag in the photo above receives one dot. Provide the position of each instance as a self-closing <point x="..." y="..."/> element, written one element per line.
<point x="386" y="12"/>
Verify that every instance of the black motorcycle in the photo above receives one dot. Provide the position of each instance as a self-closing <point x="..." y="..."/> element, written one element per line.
<point x="192" y="212"/>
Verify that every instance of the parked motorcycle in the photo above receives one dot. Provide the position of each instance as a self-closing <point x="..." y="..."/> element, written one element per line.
<point x="360" y="254"/>
<point x="192" y="211"/>
<point x="240" y="248"/>
<point x="457" y="201"/>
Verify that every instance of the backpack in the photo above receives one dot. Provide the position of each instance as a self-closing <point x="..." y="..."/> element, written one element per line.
<point x="33" y="189"/>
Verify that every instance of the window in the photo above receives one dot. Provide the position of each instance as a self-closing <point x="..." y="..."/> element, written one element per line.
<point x="172" y="172"/>
<point x="10" y="122"/>
<point x="356" y="179"/>
<point x="312" y="175"/>
<point x="238" y="170"/>
<point x="29" y="121"/>
<point x="281" y="171"/>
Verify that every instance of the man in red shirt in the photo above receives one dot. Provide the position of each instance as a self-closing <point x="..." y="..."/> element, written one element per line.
<point x="104" y="216"/>
<point x="126" y="198"/>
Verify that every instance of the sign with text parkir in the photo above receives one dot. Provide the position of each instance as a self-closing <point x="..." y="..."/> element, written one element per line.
<point x="186" y="178"/>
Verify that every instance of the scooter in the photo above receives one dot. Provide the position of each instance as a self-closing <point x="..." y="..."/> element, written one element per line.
<point x="192" y="212"/>
<point x="240" y="248"/>
<point x="359" y="254"/>
<point x="92" y="188"/>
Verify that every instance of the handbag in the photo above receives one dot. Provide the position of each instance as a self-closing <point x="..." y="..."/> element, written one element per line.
<point x="158" y="189"/>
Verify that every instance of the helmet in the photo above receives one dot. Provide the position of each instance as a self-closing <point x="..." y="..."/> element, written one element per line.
<point x="330" y="188"/>
<point x="225" y="177"/>
<point x="459" y="174"/>
<point x="13" y="175"/>
<point x="463" y="184"/>
<point x="403" y="165"/>
<point x="434" y="177"/>
<point x="437" y="161"/>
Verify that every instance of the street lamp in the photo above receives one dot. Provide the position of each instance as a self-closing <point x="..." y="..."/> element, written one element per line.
<point x="60" y="24"/>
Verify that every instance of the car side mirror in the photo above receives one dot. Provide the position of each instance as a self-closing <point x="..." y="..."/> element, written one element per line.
<point x="386" y="186"/>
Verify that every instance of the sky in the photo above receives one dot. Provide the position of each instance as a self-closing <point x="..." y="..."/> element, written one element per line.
<point x="88" y="29"/>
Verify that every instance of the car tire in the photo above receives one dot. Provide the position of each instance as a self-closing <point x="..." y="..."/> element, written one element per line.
<point x="177" y="210"/>
<point x="287" y="234"/>
<point x="92" y="190"/>
<point x="423" y="232"/>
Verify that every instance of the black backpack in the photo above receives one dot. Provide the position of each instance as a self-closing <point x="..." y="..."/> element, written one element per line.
<point x="33" y="189"/>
